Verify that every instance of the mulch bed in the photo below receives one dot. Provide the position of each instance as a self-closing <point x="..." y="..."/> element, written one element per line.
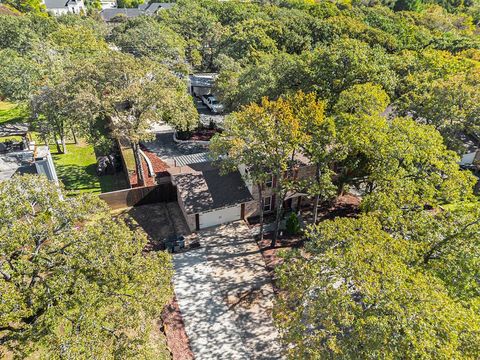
<point x="270" y="255"/>
<point x="344" y="206"/>
<point x="174" y="330"/>
<point x="149" y="181"/>
<point x="159" y="167"/>
<point x="198" y="135"/>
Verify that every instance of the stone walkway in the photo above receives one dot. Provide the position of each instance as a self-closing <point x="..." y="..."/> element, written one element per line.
<point x="225" y="296"/>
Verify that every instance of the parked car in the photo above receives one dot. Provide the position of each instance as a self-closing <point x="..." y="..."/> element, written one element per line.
<point x="212" y="103"/>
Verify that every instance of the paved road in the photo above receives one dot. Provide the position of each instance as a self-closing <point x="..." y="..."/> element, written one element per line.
<point x="225" y="296"/>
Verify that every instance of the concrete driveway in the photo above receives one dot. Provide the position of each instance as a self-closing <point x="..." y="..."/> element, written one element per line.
<point x="225" y="296"/>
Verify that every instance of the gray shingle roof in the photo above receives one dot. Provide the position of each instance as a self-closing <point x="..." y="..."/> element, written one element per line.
<point x="14" y="129"/>
<point x="205" y="189"/>
<point x="143" y="9"/>
<point x="55" y="4"/>
<point x="109" y="14"/>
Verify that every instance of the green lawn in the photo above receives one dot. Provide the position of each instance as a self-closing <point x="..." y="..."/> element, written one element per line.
<point x="77" y="171"/>
<point x="77" y="168"/>
<point x="10" y="113"/>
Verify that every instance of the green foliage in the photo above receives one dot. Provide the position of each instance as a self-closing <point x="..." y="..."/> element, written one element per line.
<point x="327" y="71"/>
<point x="365" y="99"/>
<point x="77" y="40"/>
<point x="27" y="6"/>
<point x="15" y="33"/>
<point x="411" y="5"/>
<point x="75" y="282"/>
<point x="199" y="27"/>
<point x="129" y="3"/>
<point x="144" y="36"/>
<point x="402" y="164"/>
<point x="450" y="104"/>
<point x="132" y="94"/>
<point x="19" y="76"/>
<point x="248" y="38"/>
<point x="293" y="224"/>
<point x="356" y="278"/>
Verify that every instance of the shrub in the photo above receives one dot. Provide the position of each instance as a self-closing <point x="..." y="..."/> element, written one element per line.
<point x="293" y="225"/>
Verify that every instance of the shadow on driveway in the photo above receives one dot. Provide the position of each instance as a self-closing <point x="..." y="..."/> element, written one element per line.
<point x="225" y="296"/>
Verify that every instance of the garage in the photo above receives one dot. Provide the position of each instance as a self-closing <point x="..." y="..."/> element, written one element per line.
<point x="206" y="196"/>
<point x="220" y="216"/>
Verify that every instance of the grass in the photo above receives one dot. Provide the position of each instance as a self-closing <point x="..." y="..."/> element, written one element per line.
<point x="11" y="113"/>
<point x="77" y="170"/>
<point x="129" y="159"/>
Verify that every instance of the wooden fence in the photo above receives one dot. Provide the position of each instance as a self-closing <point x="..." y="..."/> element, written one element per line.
<point x="120" y="199"/>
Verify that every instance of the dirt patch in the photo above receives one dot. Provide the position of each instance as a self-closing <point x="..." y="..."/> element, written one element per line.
<point x="174" y="330"/>
<point x="155" y="220"/>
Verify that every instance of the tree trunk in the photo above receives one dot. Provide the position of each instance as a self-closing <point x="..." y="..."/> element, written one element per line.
<point x="317" y="196"/>
<point x="278" y="209"/>
<point x="59" y="149"/>
<point x="138" y="165"/>
<point x="74" y="137"/>
<point x="64" y="144"/>
<point x="262" y="205"/>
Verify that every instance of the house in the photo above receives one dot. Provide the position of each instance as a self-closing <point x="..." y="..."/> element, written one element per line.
<point x="62" y="7"/>
<point x="301" y="169"/>
<point x="23" y="157"/>
<point x="110" y="14"/>
<point x="207" y="197"/>
<point x="201" y="83"/>
<point x="471" y="159"/>
<point x="108" y="4"/>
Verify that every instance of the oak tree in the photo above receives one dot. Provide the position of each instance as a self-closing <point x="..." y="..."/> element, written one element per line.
<point x="75" y="282"/>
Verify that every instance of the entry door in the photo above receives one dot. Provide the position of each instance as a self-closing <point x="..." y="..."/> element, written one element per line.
<point x="220" y="216"/>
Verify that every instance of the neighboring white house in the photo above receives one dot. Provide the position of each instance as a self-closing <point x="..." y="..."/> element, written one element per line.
<point x="201" y="83"/>
<point x="62" y="7"/>
<point x="108" y="4"/>
<point x="23" y="156"/>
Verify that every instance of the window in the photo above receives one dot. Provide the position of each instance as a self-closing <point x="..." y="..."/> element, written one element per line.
<point x="267" y="203"/>
<point x="269" y="182"/>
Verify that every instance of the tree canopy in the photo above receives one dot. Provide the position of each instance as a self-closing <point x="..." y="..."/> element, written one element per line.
<point x="359" y="292"/>
<point x="75" y="282"/>
<point x="379" y="97"/>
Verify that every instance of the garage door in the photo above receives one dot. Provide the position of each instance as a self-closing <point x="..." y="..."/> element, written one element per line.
<point x="220" y="216"/>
